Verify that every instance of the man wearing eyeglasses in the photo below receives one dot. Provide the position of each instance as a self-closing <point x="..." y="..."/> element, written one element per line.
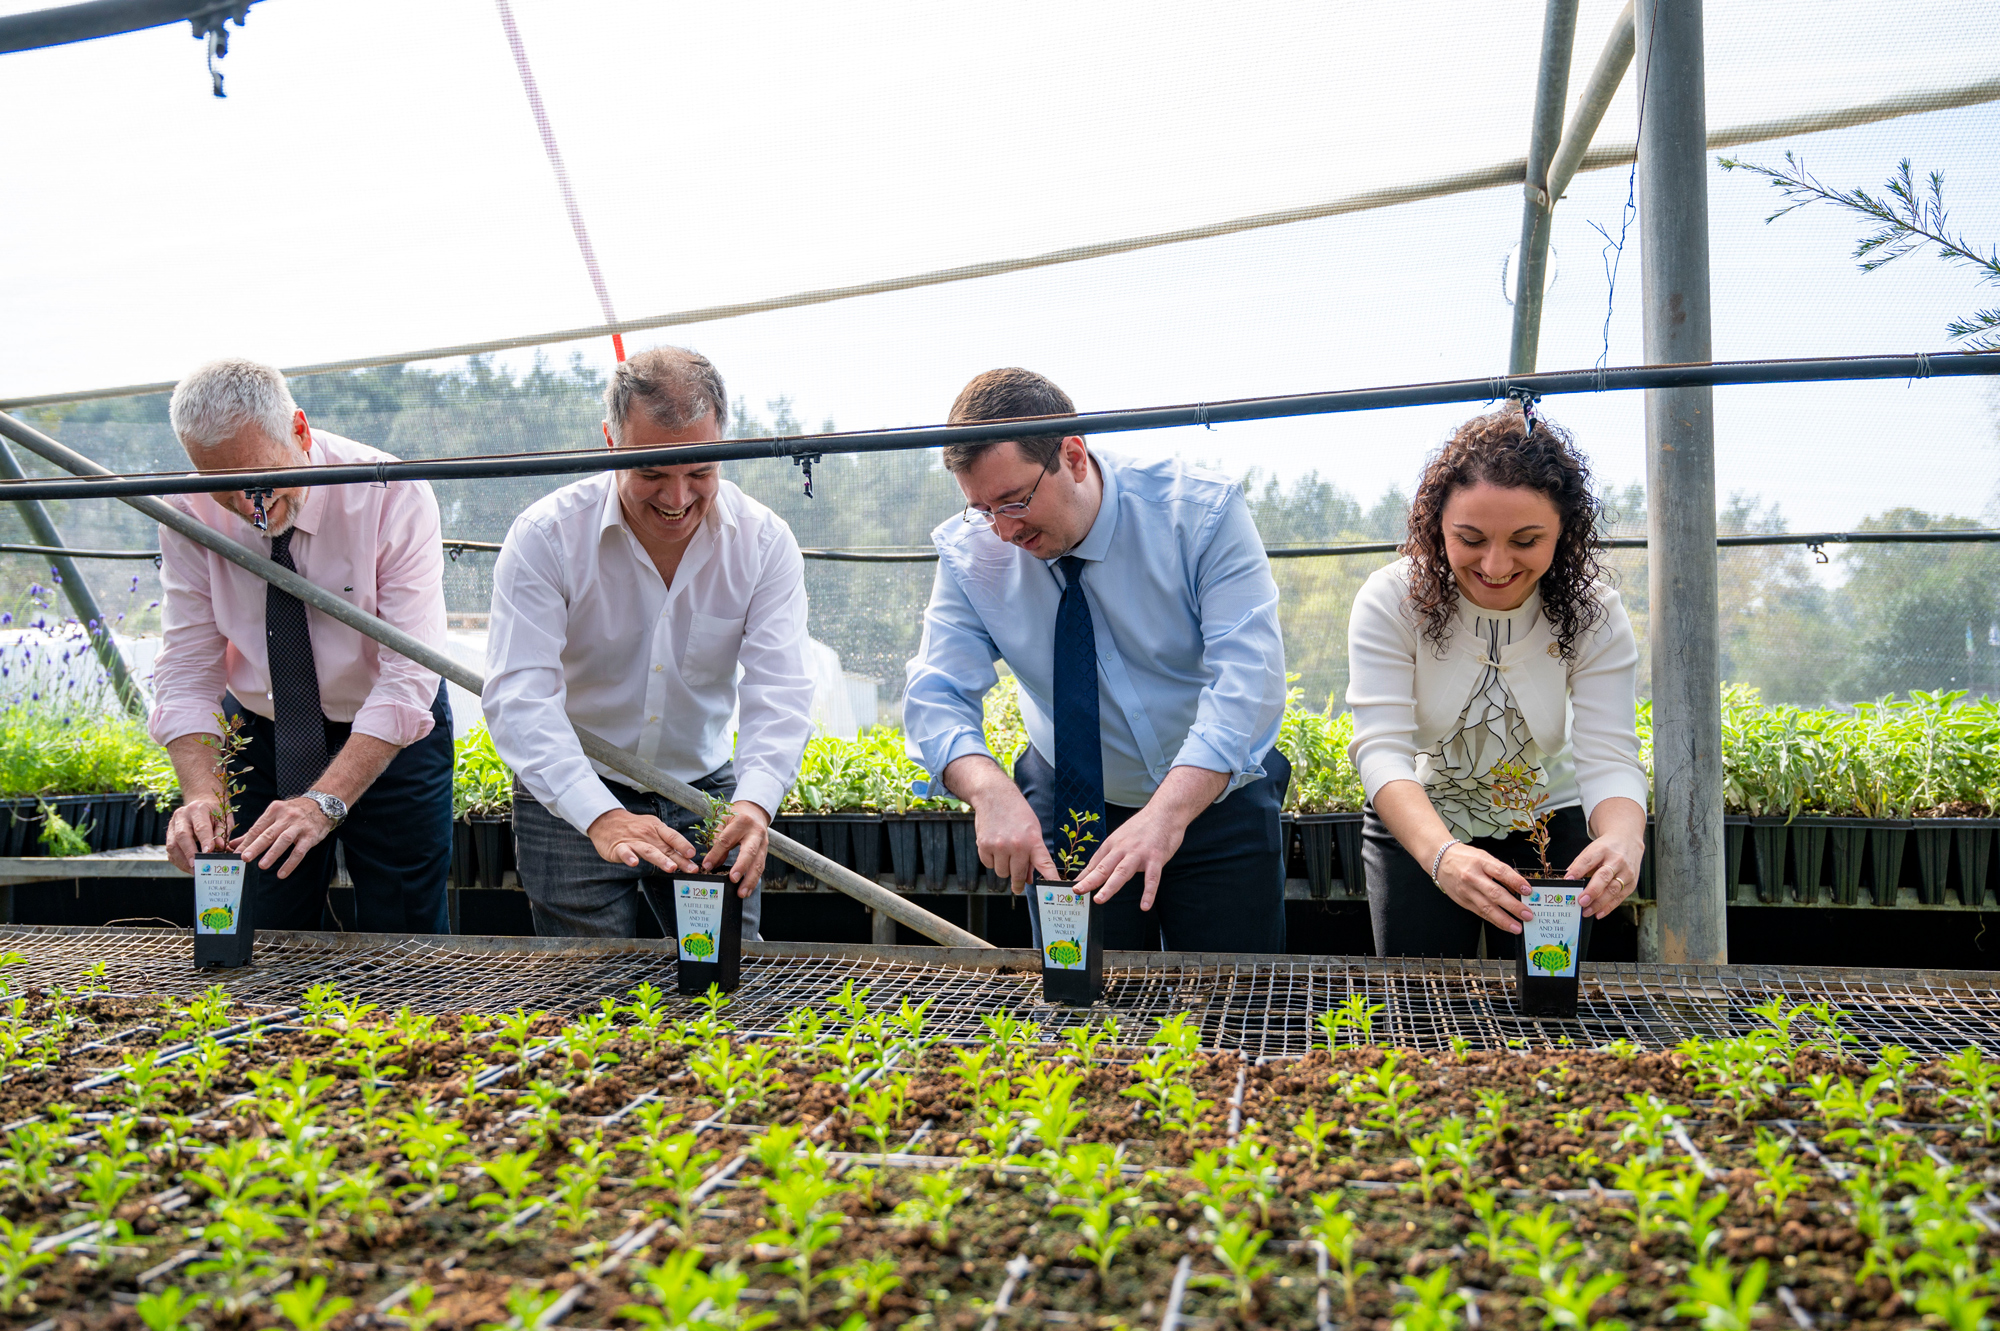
<point x="1134" y="602"/>
<point x="348" y="742"/>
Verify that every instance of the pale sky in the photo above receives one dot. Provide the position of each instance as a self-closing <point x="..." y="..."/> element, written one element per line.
<point x="374" y="183"/>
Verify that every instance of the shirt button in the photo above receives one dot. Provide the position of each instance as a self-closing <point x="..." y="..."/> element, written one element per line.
<point x="652" y="718"/>
<point x="658" y="669"/>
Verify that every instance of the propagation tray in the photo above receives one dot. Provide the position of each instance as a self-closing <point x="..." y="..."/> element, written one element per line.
<point x="1261" y="1006"/>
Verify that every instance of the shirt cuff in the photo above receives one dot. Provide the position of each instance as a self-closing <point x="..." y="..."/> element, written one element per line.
<point x="957" y="744"/>
<point x="1380" y="771"/>
<point x="1197" y="751"/>
<point x="586" y="800"/>
<point x="396" y="723"/>
<point x="1630" y="785"/>
<point x="168" y="724"/>
<point x="761" y="789"/>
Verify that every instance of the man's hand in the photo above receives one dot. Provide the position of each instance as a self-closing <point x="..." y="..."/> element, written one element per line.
<point x="1150" y="837"/>
<point x="296" y="825"/>
<point x="196" y="828"/>
<point x="624" y="837"/>
<point x="748" y="832"/>
<point x="1010" y="836"/>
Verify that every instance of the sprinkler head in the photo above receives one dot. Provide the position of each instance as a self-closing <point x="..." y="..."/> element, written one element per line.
<point x="258" y="496"/>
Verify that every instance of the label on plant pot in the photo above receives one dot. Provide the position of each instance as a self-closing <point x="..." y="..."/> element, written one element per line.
<point x="218" y="894"/>
<point x="698" y="912"/>
<point x="1065" y="928"/>
<point x="1550" y="938"/>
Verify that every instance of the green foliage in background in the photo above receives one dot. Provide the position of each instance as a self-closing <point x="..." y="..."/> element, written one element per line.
<point x="46" y="751"/>
<point x="1323" y="780"/>
<point x="481" y="785"/>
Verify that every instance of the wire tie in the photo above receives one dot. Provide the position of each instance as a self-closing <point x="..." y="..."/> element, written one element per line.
<point x="382" y="474"/>
<point x="1599" y="378"/>
<point x="1923" y="365"/>
<point x="1201" y="416"/>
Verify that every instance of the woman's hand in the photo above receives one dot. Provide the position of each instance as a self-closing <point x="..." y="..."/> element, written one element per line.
<point x="1611" y="863"/>
<point x="1484" y="886"/>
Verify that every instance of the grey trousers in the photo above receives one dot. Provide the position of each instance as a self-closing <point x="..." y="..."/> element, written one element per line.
<point x="575" y="893"/>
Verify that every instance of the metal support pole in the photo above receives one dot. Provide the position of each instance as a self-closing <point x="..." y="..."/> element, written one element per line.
<point x="43" y="528"/>
<point x="1596" y="100"/>
<point x="1532" y="266"/>
<point x="623" y="761"/>
<point x="1680" y="487"/>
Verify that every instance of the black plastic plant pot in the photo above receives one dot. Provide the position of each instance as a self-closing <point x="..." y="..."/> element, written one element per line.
<point x="223" y="929"/>
<point x="1072" y="945"/>
<point x="489" y="840"/>
<point x="905" y="863"/>
<point x="708" y="931"/>
<point x="1549" y="961"/>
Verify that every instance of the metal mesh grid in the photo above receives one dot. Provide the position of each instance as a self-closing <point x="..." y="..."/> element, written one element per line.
<point x="1260" y="1007"/>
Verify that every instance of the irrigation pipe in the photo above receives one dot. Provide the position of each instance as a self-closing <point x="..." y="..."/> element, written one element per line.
<point x="623" y="761"/>
<point x="98" y="483"/>
<point x="1579" y="157"/>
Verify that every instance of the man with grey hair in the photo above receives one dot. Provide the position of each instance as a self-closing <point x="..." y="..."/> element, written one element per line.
<point x="348" y="741"/>
<point x="646" y="605"/>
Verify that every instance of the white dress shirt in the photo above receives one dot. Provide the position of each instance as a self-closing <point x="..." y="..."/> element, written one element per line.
<point x="374" y="545"/>
<point x="585" y="631"/>
<point x="1408" y="699"/>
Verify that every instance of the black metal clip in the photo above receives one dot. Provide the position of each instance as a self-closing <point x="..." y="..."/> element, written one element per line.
<point x="208" y="25"/>
<point x="1527" y="397"/>
<point x="258" y="497"/>
<point x="1819" y="551"/>
<point x="804" y="462"/>
<point x="454" y="551"/>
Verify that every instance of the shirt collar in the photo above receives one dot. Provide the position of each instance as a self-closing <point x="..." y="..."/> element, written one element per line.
<point x="722" y="513"/>
<point x="313" y="505"/>
<point x="1097" y="543"/>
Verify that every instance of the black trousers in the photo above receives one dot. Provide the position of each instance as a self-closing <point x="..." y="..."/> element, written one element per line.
<point x="1412" y="915"/>
<point x="1224" y="889"/>
<point x="397" y="836"/>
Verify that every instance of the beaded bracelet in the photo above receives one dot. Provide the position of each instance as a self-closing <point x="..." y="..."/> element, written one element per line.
<point x="1440" y="856"/>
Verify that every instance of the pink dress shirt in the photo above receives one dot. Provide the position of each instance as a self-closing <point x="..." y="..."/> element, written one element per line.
<point x="375" y="545"/>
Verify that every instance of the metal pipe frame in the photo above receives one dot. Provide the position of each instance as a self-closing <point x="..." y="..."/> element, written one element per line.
<point x="75" y="586"/>
<point x="102" y="484"/>
<point x="1680" y="486"/>
<point x="108" y="18"/>
<point x="595" y="746"/>
<point x="1538" y="200"/>
<point x="1596" y="100"/>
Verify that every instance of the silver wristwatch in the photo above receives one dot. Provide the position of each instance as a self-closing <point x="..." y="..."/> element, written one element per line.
<point x="333" y="806"/>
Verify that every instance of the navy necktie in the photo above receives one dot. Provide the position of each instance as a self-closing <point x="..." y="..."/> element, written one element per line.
<point x="1079" y="757"/>
<point x="299" y="721"/>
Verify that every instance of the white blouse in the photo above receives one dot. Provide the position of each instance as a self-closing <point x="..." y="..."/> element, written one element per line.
<point x="1500" y="692"/>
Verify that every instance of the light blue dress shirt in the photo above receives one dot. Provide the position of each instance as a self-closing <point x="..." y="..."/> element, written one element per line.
<point x="1190" y="660"/>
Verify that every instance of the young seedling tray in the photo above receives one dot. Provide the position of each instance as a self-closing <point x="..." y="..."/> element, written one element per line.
<point x="224" y="931"/>
<point x="1072" y="944"/>
<point x="1549" y="962"/>
<point x="708" y="928"/>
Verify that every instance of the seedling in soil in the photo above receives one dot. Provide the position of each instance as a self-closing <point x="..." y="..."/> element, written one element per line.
<point x="882" y="1108"/>
<point x="17" y="1260"/>
<point x="313" y="1185"/>
<point x="1444" y="1149"/>
<point x="1335" y="1230"/>
<point x="1519" y="792"/>
<point x="237" y="1236"/>
<point x="1357" y="1016"/>
<point x="690" y="1297"/>
<point x="1313" y="1133"/>
<point x="1569" y="1299"/>
<point x="513" y="1174"/>
<point x="800" y="1225"/>
<point x="867" y="1282"/>
<point x="1186" y="1112"/>
<point x="1781" y="1178"/>
<point x="1646" y="1124"/>
<point x="1433" y="1303"/>
<point x="32" y="1152"/>
<point x="1392" y="1093"/>
<point x="1073" y="854"/>
<point x="1047" y="1105"/>
<point x="972" y="1069"/>
<point x="1236" y="1243"/>
<point x="172" y="1309"/>
<point x="1494" y="1125"/>
<point x="577" y="1185"/>
<point x="105" y="1185"/>
<point x="1694" y="1215"/>
<point x="1956" y="1304"/>
<point x="1101" y="1226"/>
<point x="1084" y="1040"/>
<point x="1494" y="1225"/>
<point x="359" y="1199"/>
<point x="938" y="1194"/>
<point x="1548" y="1247"/>
<point x="414" y="1312"/>
<point x="1721" y="1301"/>
<point x="306" y="1306"/>
<point x="676" y="1168"/>
<point x="1646" y="1182"/>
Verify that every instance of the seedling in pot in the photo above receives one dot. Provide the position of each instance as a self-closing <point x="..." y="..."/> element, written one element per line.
<point x="224" y="931"/>
<point x="1356" y="1015"/>
<point x="171" y="1309"/>
<point x="1313" y="1133"/>
<point x="1072" y="943"/>
<point x="1718" y="1299"/>
<point x="1433" y="1302"/>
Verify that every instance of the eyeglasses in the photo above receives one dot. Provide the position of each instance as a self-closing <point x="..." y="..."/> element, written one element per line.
<point x="984" y="516"/>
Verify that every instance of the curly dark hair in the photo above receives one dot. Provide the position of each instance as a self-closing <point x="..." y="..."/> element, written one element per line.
<point x="1498" y="448"/>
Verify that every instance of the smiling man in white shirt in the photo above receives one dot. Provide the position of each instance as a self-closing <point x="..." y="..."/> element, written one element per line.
<point x="625" y="604"/>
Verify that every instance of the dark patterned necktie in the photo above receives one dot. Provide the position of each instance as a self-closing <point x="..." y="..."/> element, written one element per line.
<point x="1079" y="759"/>
<point x="300" y="723"/>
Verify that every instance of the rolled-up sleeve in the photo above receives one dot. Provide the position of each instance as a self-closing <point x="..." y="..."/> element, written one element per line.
<point x="409" y="594"/>
<point x="1604" y="735"/>
<point x="192" y="671"/>
<point x="524" y="701"/>
<point x="1382" y="686"/>
<point x="1243" y="650"/>
<point x="775" y="692"/>
<point x="946" y="682"/>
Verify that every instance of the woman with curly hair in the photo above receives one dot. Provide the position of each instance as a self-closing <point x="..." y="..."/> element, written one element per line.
<point x="1493" y="644"/>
